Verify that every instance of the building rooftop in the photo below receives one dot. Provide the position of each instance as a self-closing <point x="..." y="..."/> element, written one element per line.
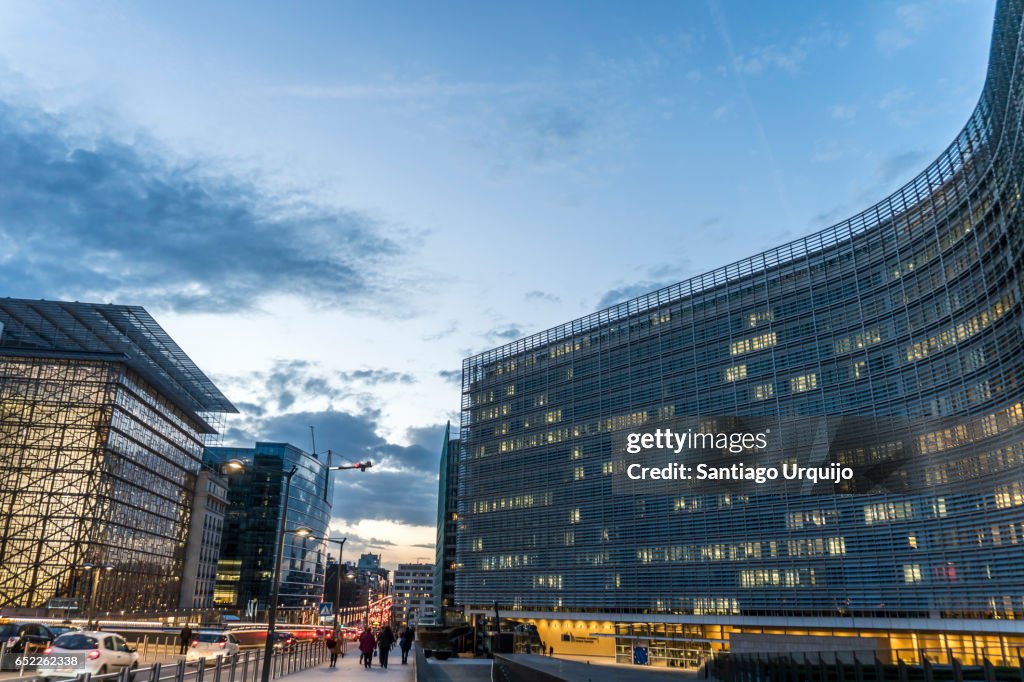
<point x="123" y="333"/>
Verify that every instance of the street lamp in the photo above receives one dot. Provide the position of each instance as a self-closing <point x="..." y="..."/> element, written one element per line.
<point x="96" y="570"/>
<point x="307" y="533"/>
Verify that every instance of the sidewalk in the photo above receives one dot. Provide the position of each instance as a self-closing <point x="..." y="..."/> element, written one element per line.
<point x="349" y="669"/>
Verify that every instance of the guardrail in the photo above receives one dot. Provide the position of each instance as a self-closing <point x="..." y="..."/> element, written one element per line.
<point x="245" y="666"/>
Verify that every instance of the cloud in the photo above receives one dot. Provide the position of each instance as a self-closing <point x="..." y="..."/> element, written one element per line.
<point x="451" y="375"/>
<point x="504" y="333"/>
<point x="375" y="377"/>
<point x="107" y="220"/>
<point x="541" y="296"/>
<point x="625" y="293"/>
<point x="902" y="28"/>
<point x="842" y="112"/>
<point x="402" y="484"/>
<point x="551" y="131"/>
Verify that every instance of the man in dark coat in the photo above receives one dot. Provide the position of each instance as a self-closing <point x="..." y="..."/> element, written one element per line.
<point x="384" y="644"/>
<point x="405" y="640"/>
<point x="185" y="637"/>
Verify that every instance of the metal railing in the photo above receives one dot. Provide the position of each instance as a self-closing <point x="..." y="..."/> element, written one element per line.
<point x="245" y="666"/>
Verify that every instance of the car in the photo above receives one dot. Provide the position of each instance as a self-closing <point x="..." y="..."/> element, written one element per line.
<point x="59" y="630"/>
<point x="24" y="637"/>
<point x="93" y="652"/>
<point x="211" y="644"/>
<point x="284" y="641"/>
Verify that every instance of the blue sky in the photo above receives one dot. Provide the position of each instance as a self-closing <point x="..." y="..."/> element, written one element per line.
<point x="330" y="204"/>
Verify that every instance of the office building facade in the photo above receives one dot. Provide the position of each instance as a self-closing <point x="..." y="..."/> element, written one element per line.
<point x="102" y="423"/>
<point x="206" y="529"/>
<point x="413" y="594"/>
<point x="908" y="311"/>
<point x="445" y="557"/>
<point x="245" y="568"/>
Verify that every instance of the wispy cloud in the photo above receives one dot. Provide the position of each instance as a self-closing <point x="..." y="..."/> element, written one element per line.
<point x="538" y="296"/>
<point x="906" y="23"/>
<point x="105" y="220"/>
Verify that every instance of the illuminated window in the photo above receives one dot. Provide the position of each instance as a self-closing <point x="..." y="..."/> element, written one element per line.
<point x="553" y="416"/>
<point x="911" y="573"/>
<point x="510" y="390"/>
<point x="578" y="474"/>
<point x="736" y="373"/>
<point x="764" y="391"/>
<point x="885" y="512"/>
<point x="574" y="515"/>
<point x="859" y="369"/>
<point x="912" y="541"/>
<point x="803" y="383"/>
<point x="759" y="317"/>
<point x="754" y="343"/>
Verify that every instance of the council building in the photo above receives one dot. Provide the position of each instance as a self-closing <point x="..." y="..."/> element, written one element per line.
<point x="102" y="423"/>
<point x="896" y="337"/>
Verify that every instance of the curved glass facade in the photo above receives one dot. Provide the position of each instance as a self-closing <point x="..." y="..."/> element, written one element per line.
<point x="910" y="309"/>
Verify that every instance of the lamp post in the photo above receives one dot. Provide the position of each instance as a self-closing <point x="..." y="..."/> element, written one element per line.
<point x="337" y="581"/>
<point x="96" y="570"/>
<point x="237" y="466"/>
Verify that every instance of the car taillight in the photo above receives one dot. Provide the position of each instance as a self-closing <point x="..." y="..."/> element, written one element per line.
<point x="93" y="655"/>
<point x="223" y="644"/>
<point x="195" y="642"/>
<point x="47" y="651"/>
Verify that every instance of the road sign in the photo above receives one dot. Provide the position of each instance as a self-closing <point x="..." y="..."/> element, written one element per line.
<point x="66" y="603"/>
<point x="326" y="609"/>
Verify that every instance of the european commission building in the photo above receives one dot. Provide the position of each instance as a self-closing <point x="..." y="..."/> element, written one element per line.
<point x="891" y="343"/>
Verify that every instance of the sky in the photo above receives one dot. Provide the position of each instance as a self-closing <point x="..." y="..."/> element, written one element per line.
<point x="329" y="205"/>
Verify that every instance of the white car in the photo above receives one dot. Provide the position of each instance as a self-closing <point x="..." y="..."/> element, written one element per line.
<point x="211" y="644"/>
<point x="96" y="653"/>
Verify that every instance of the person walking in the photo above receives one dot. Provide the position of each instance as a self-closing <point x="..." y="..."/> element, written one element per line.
<point x="384" y="644"/>
<point x="183" y="639"/>
<point x="367" y="643"/>
<point x="405" y="640"/>
<point x="332" y="646"/>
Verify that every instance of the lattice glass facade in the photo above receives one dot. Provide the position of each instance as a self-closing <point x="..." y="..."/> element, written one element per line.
<point x="101" y="433"/>
<point x="910" y="309"/>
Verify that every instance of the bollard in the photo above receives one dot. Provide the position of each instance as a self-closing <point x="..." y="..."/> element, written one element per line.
<point x="217" y="668"/>
<point x="200" y="669"/>
<point x="154" y="672"/>
<point x="179" y="673"/>
<point x="958" y="670"/>
<point x="990" y="672"/>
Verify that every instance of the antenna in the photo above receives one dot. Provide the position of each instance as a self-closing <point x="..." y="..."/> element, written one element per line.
<point x="312" y="436"/>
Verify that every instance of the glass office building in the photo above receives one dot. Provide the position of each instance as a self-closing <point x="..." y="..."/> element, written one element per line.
<point x="445" y="557"/>
<point x="908" y="312"/>
<point x="248" y="551"/>
<point x="102" y="421"/>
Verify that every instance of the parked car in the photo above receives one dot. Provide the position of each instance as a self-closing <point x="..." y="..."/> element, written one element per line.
<point x="95" y="653"/>
<point x="59" y="630"/>
<point x="211" y="644"/>
<point x="24" y="637"/>
<point x="284" y="641"/>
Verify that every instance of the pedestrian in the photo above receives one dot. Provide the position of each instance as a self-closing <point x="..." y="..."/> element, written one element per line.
<point x="384" y="644"/>
<point x="551" y="651"/>
<point x="405" y="640"/>
<point x="184" y="638"/>
<point x="367" y="643"/>
<point x="332" y="647"/>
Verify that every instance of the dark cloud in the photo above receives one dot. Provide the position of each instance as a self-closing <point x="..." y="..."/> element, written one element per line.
<point x="402" y="484"/>
<point x="378" y="376"/>
<point x="505" y="333"/>
<point x="105" y="220"/>
<point x="451" y="375"/>
<point x="542" y="296"/>
<point x="427" y="545"/>
<point x="625" y="293"/>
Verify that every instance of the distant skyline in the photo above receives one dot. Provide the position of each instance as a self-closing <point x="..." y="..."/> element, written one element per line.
<point x="329" y="207"/>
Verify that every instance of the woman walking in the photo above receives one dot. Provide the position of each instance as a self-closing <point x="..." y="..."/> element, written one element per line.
<point x="333" y="646"/>
<point x="367" y="643"/>
<point x="384" y="644"/>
